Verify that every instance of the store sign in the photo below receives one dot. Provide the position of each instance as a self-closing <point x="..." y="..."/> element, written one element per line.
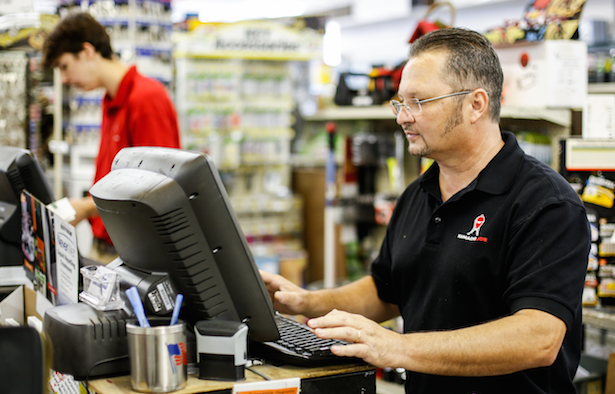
<point x="250" y="40"/>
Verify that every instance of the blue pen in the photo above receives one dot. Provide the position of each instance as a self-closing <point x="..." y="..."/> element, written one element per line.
<point x="137" y="306"/>
<point x="176" y="308"/>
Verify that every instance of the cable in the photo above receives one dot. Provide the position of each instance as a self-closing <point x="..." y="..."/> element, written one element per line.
<point x="107" y="360"/>
<point x="258" y="373"/>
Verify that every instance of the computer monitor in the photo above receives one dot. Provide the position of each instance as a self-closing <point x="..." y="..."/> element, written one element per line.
<point x="19" y="170"/>
<point x="166" y="210"/>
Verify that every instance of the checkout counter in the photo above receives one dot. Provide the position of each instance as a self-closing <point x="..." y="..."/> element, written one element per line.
<point x="66" y="324"/>
<point x="336" y="379"/>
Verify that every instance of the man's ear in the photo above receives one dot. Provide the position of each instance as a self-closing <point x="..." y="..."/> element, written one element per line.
<point x="480" y="105"/>
<point x="88" y="50"/>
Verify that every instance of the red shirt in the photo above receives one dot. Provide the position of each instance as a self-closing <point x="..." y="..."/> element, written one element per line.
<point x="140" y="114"/>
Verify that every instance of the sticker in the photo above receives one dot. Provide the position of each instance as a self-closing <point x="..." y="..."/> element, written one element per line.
<point x="164" y="291"/>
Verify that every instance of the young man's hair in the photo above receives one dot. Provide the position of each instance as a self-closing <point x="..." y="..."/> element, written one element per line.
<point x="472" y="62"/>
<point x="71" y="33"/>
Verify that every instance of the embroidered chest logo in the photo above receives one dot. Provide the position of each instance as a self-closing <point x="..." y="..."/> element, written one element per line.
<point x="474" y="234"/>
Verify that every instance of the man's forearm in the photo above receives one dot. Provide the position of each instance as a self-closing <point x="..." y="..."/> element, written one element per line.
<point x="359" y="297"/>
<point x="528" y="339"/>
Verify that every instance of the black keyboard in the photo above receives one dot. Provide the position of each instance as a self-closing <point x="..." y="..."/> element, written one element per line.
<point x="299" y="346"/>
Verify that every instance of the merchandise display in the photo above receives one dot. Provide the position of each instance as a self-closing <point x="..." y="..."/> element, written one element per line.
<point x="600" y="67"/>
<point x="239" y="111"/>
<point x="24" y="101"/>
<point x="13" y="88"/>
<point x="542" y="20"/>
<point x="237" y="89"/>
<point x="597" y="190"/>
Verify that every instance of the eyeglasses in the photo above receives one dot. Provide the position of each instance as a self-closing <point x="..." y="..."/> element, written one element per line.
<point x="413" y="105"/>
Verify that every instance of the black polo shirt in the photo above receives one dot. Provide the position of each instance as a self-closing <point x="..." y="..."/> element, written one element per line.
<point x="517" y="237"/>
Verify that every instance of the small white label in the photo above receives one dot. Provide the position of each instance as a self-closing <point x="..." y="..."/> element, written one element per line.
<point x="164" y="295"/>
<point x="281" y="386"/>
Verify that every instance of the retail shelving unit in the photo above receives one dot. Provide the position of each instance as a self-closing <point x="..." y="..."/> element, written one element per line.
<point x="607" y="87"/>
<point x="556" y="123"/>
<point x="14" y="93"/>
<point x="235" y="95"/>
<point x="25" y="89"/>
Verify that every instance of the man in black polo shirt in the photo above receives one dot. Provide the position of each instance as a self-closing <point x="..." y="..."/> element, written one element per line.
<point x="485" y="255"/>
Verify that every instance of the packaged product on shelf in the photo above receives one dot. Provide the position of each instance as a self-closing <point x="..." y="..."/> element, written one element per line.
<point x="590" y="296"/>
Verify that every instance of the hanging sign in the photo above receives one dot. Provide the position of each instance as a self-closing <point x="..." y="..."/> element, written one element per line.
<point x="249" y="40"/>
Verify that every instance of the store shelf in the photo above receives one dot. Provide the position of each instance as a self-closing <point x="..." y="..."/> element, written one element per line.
<point x="560" y="117"/>
<point x="599" y="317"/>
<point x="604" y="47"/>
<point x="353" y="113"/>
<point x="601" y="87"/>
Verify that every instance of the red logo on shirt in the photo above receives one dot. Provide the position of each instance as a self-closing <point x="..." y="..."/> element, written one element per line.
<point x="478" y="223"/>
<point x="474" y="234"/>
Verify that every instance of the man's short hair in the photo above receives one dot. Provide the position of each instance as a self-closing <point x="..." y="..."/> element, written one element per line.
<point x="472" y="62"/>
<point x="71" y="33"/>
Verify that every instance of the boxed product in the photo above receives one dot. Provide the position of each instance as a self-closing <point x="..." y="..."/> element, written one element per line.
<point x="547" y="74"/>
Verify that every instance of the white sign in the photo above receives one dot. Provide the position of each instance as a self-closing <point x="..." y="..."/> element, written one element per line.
<point x="279" y="386"/>
<point x="250" y="40"/>
<point x="590" y="154"/>
<point x="67" y="262"/>
<point x="599" y="116"/>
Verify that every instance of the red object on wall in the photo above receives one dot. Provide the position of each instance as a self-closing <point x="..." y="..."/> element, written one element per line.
<point x="423" y="28"/>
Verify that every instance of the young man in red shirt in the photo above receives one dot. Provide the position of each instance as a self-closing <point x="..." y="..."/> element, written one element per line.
<point x="136" y="110"/>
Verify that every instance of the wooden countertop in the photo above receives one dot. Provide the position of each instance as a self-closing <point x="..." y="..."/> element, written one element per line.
<point x="121" y="384"/>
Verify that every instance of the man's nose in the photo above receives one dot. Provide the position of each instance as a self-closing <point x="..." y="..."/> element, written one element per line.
<point x="404" y="117"/>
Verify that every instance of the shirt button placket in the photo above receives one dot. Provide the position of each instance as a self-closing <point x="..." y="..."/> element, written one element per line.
<point x="435" y="231"/>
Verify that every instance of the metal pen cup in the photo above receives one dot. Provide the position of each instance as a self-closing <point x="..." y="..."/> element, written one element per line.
<point x="158" y="356"/>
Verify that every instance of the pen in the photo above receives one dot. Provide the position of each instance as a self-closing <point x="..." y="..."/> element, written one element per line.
<point x="137" y="306"/>
<point x="176" y="308"/>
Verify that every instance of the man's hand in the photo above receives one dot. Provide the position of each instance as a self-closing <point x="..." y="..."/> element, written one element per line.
<point x="368" y="339"/>
<point x="286" y="296"/>
<point x="524" y="340"/>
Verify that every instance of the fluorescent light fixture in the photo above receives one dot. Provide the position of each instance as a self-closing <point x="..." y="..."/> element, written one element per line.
<point x="332" y="44"/>
<point x="249" y="10"/>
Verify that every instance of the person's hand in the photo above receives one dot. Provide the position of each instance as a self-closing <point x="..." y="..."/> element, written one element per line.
<point x="287" y="297"/>
<point x="368" y="340"/>
<point x="84" y="208"/>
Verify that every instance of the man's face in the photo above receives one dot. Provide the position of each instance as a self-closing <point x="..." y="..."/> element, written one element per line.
<point x="76" y="70"/>
<point x="430" y="133"/>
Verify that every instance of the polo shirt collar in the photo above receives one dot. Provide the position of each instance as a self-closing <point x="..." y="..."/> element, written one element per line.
<point x="495" y="178"/>
<point x="123" y="90"/>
